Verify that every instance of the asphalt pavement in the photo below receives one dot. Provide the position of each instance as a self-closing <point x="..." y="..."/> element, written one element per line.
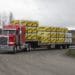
<point x="42" y="62"/>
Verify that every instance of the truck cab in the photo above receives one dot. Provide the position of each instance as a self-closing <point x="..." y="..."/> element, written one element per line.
<point x="12" y="37"/>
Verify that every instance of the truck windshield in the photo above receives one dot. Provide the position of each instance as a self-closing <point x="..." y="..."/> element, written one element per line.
<point x="6" y="32"/>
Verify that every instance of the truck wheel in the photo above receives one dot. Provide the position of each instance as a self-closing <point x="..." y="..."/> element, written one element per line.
<point x="67" y="46"/>
<point x="63" y="46"/>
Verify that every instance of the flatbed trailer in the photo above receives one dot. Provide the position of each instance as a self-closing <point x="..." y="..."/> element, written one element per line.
<point x="35" y="44"/>
<point x="46" y="36"/>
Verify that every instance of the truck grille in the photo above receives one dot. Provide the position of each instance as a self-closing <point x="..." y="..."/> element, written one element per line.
<point x="3" y="40"/>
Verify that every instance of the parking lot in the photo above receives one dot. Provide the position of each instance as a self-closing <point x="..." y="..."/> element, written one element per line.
<point x="42" y="62"/>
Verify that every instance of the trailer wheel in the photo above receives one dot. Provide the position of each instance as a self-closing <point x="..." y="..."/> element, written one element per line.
<point x="63" y="46"/>
<point x="68" y="46"/>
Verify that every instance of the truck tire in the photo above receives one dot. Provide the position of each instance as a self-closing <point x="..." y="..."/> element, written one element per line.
<point x="64" y="46"/>
<point x="68" y="46"/>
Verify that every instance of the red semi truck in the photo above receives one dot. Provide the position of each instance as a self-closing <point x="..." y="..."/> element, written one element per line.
<point x="12" y="37"/>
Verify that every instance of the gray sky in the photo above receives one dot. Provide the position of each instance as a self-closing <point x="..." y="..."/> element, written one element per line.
<point x="47" y="12"/>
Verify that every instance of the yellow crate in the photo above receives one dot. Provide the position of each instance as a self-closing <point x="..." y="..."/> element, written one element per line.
<point x="45" y="40"/>
<point x="35" y="24"/>
<point x="53" y="35"/>
<point x="62" y="29"/>
<point x="29" y="23"/>
<point x="53" y="29"/>
<point x="39" y="38"/>
<point x="53" y="40"/>
<point x="65" y="30"/>
<point x="45" y="29"/>
<point x="15" y="22"/>
<point x="40" y="29"/>
<point x="60" y="40"/>
<point x="31" y="37"/>
<point x="24" y="22"/>
<point x="60" y="35"/>
<point x="44" y="34"/>
<point x="32" y="24"/>
<point x="40" y="33"/>
<point x="31" y="30"/>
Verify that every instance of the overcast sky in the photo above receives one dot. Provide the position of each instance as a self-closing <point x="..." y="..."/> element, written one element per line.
<point x="47" y="12"/>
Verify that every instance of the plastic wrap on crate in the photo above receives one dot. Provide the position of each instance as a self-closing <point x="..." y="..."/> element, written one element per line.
<point x="68" y="35"/>
<point x="68" y="40"/>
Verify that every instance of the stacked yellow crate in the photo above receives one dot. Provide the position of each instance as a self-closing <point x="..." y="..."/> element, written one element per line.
<point x="44" y="35"/>
<point x="61" y="35"/>
<point x="15" y="22"/>
<point x="31" y="30"/>
<point x="53" y="35"/>
<point x="67" y="38"/>
<point x="53" y="29"/>
<point x="46" y="38"/>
